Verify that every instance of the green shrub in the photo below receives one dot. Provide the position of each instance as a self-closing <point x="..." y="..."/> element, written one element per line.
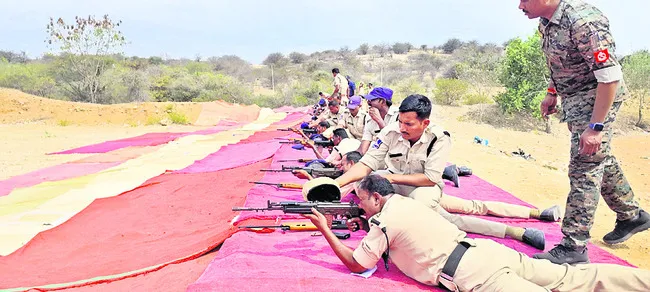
<point x="153" y="120"/>
<point x="472" y="99"/>
<point x="450" y="91"/>
<point x="178" y="118"/>
<point x="524" y="74"/>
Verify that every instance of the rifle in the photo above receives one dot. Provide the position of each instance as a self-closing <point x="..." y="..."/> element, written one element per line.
<point x="303" y="160"/>
<point x="315" y="172"/>
<point x="348" y="210"/>
<point x="325" y="143"/>
<point x="336" y="224"/>
<point x="280" y="185"/>
<point x="304" y="227"/>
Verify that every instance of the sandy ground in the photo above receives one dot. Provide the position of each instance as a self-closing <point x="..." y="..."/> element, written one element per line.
<point x="544" y="181"/>
<point x="28" y="136"/>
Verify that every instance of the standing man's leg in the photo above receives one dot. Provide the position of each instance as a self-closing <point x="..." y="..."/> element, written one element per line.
<point x="588" y="176"/>
<point x="618" y="195"/>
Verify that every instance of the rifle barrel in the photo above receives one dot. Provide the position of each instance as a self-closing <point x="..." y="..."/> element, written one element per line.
<point x="253" y="209"/>
<point x="264" y="183"/>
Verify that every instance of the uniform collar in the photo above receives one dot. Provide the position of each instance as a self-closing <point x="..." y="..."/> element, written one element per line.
<point x="557" y="15"/>
<point x="392" y="110"/>
<point x="388" y="202"/>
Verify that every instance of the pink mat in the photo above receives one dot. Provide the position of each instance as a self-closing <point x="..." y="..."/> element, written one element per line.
<point x="149" y="139"/>
<point x="293" y="261"/>
<point x="54" y="173"/>
<point x="234" y="155"/>
<point x="477" y="188"/>
<point x="296" y="261"/>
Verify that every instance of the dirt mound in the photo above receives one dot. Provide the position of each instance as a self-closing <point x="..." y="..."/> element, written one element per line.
<point x="18" y="107"/>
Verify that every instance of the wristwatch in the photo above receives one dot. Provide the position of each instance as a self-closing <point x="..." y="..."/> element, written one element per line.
<point x="596" y="126"/>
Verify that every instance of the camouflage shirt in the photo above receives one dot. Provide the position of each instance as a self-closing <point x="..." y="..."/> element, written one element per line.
<point x="579" y="50"/>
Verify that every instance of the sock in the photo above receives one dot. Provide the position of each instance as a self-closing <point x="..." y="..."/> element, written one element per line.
<point x="515" y="232"/>
<point x="535" y="213"/>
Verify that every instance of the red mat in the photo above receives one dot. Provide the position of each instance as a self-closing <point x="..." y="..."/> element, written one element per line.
<point x="170" y="217"/>
<point x="175" y="277"/>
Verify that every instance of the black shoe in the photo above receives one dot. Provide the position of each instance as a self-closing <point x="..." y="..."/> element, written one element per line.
<point x="561" y="254"/>
<point x="535" y="238"/>
<point x="551" y="214"/>
<point x="625" y="229"/>
<point x="464" y="171"/>
<point x="451" y="174"/>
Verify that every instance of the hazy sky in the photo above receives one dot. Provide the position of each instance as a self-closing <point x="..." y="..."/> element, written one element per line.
<point x="253" y="29"/>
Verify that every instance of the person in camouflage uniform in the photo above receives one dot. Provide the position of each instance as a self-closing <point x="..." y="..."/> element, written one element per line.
<point x="579" y="50"/>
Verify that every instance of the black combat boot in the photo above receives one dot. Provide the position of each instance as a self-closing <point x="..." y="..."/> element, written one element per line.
<point x="561" y="254"/>
<point x="451" y="174"/>
<point x="625" y="229"/>
<point x="551" y="214"/>
<point x="535" y="238"/>
<point x="464" y="171"/>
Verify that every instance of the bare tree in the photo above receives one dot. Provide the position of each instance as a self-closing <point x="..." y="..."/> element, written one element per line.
<point x="86" y="47"/>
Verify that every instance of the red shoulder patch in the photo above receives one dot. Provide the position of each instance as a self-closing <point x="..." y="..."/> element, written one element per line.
<point x="601" y="56"/>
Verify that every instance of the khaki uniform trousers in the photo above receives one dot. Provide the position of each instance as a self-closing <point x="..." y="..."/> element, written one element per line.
<point x="475" y="207"/>
<point x="490" y="266"/>
<point x="432" y="197"/>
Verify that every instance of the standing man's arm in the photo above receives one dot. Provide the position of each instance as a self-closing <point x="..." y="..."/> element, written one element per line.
<point x="596" y="45"/>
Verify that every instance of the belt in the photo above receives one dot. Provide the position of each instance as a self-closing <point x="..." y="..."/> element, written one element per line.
<point x="449" y="269"/>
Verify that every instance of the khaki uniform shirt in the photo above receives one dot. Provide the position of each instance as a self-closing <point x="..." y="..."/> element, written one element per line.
<point x="414" y="247"/>
<point x="346" y="146"/>
<point x="342" y="83"/>
<point x="579" y="50"/>
<point x="332" y="118"/>
<point x="402" y="158"/>
<point x="371" y="129"/>
<point x="354" y="125"/>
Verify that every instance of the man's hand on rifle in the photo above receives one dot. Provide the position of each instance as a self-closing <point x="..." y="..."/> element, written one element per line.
<point x="357" y="223"/>
<point x="319" y="220"/>
<point x="302" y="174"/>
<point x="307" y="143"/>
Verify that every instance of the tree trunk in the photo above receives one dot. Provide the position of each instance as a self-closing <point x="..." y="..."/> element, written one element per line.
<point x="641" y="101"/>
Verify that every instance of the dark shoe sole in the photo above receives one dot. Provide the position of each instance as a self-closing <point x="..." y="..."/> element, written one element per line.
<point x="572" y="263"/>
<point x="555" y="218"/>
<point x="636" y="230"/>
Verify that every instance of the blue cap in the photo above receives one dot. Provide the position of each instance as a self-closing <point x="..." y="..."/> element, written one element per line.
<point x="379" y="92"/>
<point x="355" y="102"/>
<point x="304" y="125"/>
<point x="321" y="102"/>
<point x="298" y="147"/>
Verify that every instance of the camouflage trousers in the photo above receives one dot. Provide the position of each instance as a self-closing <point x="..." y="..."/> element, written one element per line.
<point x="590" y="177"/>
